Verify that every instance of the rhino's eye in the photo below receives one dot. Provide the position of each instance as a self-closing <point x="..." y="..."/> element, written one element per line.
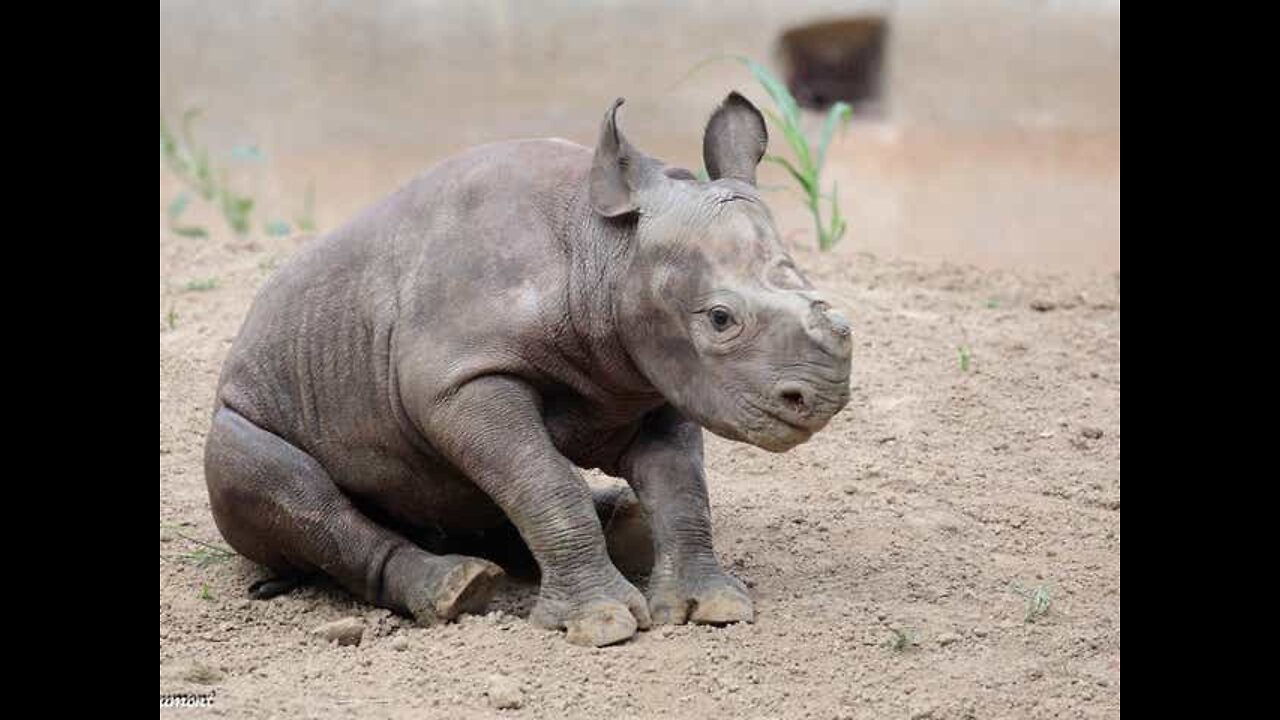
<point x="721" y="318"/>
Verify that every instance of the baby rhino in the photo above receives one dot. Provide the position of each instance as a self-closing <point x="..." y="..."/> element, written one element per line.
<point x="445" y="360"/>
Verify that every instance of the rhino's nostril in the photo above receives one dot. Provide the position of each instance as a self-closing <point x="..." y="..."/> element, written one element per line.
<point x="794" y="400"/>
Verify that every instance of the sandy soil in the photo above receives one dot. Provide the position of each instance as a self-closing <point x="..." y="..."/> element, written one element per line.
<point x="886" y="557"/>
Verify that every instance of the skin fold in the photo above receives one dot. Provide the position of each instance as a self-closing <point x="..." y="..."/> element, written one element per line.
<point x="448" y="360"/>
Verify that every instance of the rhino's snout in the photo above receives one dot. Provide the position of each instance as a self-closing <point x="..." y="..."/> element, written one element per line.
<point x="805" y="400"/>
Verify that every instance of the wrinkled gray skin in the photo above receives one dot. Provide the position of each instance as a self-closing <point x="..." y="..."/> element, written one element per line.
<point x="448" y="358"/>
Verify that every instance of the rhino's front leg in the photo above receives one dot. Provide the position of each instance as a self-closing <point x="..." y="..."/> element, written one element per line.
<point x="664" y="467"/>
<point x="492" y="430"/>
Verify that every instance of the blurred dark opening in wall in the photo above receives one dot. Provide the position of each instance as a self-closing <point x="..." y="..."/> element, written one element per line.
<point x="836" y="60"/>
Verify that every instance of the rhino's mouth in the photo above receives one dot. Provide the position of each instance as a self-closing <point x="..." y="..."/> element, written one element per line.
<point x="789" y="437"/>
<point x="781" y="419"/>
<point x="777" y="432"/>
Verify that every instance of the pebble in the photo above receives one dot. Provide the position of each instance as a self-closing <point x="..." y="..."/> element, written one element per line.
<point x="504" y="693"/>
<point x="347" y="631"/>
<point x="204" y="674"/>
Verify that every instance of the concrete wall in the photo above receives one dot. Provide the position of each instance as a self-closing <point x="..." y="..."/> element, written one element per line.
<point x="360" y="95"/>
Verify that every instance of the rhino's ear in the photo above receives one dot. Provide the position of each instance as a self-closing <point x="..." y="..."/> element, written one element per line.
<point x="615" y="169"/>
<point x="735" y="140"/>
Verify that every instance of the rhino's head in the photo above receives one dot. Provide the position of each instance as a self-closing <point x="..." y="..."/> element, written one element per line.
<point x="712" y="310"/>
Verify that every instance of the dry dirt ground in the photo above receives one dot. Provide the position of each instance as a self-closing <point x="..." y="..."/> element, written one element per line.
<point x="895" y="559"/>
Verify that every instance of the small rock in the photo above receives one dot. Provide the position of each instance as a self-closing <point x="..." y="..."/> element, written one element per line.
<point x="504" y="693"/>
<point x="1092" y="433"/>
<point x="946" y="639"/>
<point x="347" y="631"/>
<point x="399" y="643"/>
<point x="203" y="674"/>
<point x="1042" y="305"/>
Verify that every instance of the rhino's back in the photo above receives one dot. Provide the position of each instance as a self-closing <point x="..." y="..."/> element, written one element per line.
<point x="454" y="256"/>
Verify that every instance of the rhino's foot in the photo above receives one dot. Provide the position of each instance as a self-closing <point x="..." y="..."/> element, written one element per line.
<point x="598" y="618"/>
<point x="711" y="598"/>
<point x="443" y="587"/>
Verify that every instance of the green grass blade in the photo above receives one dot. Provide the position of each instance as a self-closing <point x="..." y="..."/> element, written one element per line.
<point x="178" y="205"/>
<point x="204" y="176"/>
<point x="201" y="285"/>
<point x="838" y="224"/>
<point x="799" y="176"/>
<point x="772" y="85"/>
<point x="795" y="139"/>
<point x="176" y="209"/>
<point x="790" y="120"/>
<point x="775" y="87"/>
<point x="235" y="208"/>
<point x="840" y="111"/>
<point x="191" y="231"/>
<point x="251" y="153"/>
<point x="172" y="152"/>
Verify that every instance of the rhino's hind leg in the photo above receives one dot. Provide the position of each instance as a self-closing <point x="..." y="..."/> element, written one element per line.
<point x="277" y="506"/>
<point x="627" y="532"/>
